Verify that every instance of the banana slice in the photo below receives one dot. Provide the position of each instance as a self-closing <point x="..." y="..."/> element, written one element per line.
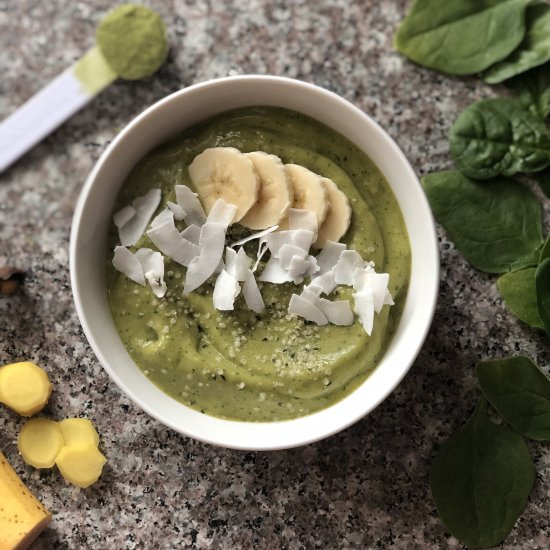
<point x="276" y="192"/>
<point x="309" y="192"/>
<point x="225" y="173"/>
<point x="338" y="218"/>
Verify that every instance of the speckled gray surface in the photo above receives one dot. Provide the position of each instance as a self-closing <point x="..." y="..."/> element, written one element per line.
<point x="364" y="488"/>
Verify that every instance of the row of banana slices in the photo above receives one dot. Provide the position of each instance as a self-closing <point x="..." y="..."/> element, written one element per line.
<point x="264" y="189"/>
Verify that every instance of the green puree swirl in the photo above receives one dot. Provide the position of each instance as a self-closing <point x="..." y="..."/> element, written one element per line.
<point x="240" y="365"/>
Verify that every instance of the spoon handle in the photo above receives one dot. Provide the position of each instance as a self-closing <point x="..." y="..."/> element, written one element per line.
<point x="52" y="105"/>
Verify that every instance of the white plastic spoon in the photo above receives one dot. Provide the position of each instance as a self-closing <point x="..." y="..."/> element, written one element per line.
<point x="54" y="104"/>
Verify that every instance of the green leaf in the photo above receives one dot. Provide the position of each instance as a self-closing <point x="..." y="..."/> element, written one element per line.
<point x="545" y="250"/>
<point x="481" y="479"/>
<point x="520" y="295"/>
<point x="493" y="223"/>
<point x="533" y="90"/>
<point x="499" y="136"/>
<point x="463" y="36"/>
<point x="543" y="179"/>
<point x="533" y="51"/>
<point x="520" y="392"/>
<point x="529" y="261"/>
<point x="542" y="279"/>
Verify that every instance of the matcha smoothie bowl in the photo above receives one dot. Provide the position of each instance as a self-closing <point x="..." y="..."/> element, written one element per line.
<point x="254" y="262"/>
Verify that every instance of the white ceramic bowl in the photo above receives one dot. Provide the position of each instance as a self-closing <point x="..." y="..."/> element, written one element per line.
<point x="89" y="240"/>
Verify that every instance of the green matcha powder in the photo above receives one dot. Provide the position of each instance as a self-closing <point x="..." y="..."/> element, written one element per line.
<point x="133" y="41"/>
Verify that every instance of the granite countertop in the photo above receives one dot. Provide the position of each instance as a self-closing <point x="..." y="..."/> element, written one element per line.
<point x="366" y="487"/>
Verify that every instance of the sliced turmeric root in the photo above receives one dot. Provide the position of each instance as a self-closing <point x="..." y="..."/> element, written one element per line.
<point x="79" y="431"/>
<point x="80" y="464"/>
<point x="24" y="387"/>
<point x="40" y="441"/>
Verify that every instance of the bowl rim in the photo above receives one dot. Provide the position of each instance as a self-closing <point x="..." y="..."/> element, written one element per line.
<point x="429" y="301"/>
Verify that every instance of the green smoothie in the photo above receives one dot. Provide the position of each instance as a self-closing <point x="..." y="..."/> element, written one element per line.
<point x="271" y="366"/>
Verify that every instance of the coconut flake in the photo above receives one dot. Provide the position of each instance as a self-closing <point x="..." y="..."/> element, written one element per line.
<point x="242" y="265"/>
<point x="337" y="313"/>
<point x="313" y="267"/>
<point x="275" y="241"/>
<point x="191" y="205"/>
<point x="258" y="235"/>
<point x="344" y="270"/>
<point x="359" y="275"/>
<point x="377" y="283"/>
<point x="230" y="260"/>
<point x="127" y="263"/>
<point x="165" y="216"/>
<point x="329" y="256"/>
<point x="304" y="308"/>
<point x="262" y="249"/>
<point x="388" y="299"/>
<point x="192" y="234"/>
<point x="150" y="260"/>
<point x="144" y="206"/>
<point x="226" y="290"/>
<point x="123" y="216"/>
<point x="156" y="282"/>
<point x="299" y="237"/>
<point x="364" y="307"/>
<point x="288" y="252"/>
<point x="312" y="293"/>
<point x="168" y="240"/>
<point x="326" y="281"/>
<point x="303" y="219"/>
<point x="152" y="264"/>
<point x="251" y="293"/>
<point x="303" y="238"/>
<point x="178" y="211"/>
<point x="222" y="213"/>
<point x="212" y="243"/>
<point x="297" y="267"/>
<point x="145" y="264"/>
<point x="274" y="273"/>
<point x="302" y="267"/>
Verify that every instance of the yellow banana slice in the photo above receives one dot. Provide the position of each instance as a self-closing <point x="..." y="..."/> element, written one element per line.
<point x="309" y="192"/>
<point x="225" y="173"/>
<point x="275" y="195"/>
<point x="338" y="218"/>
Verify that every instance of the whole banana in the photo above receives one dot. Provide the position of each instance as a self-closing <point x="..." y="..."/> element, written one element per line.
<point x="22" y="516"/>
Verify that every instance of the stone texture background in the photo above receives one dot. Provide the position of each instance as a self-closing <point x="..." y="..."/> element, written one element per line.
<point x="364" y="488"/>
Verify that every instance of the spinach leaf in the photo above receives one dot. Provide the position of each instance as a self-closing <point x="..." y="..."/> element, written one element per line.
<point x="528" y="261"/>
<point x="499" y="136"/>
<point x="493" y="223"/>
<point x="520" y="392"/>
<point x="520" y="294"/>
<point x="545" y="250"/>
<point x="463" y="36"/>
<point x="542" y="279"/>
<point x="533" y="51"/>
<point x="543" y="179"/>
<point x="480" y="480"/>
<point x="533" y="90"/>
